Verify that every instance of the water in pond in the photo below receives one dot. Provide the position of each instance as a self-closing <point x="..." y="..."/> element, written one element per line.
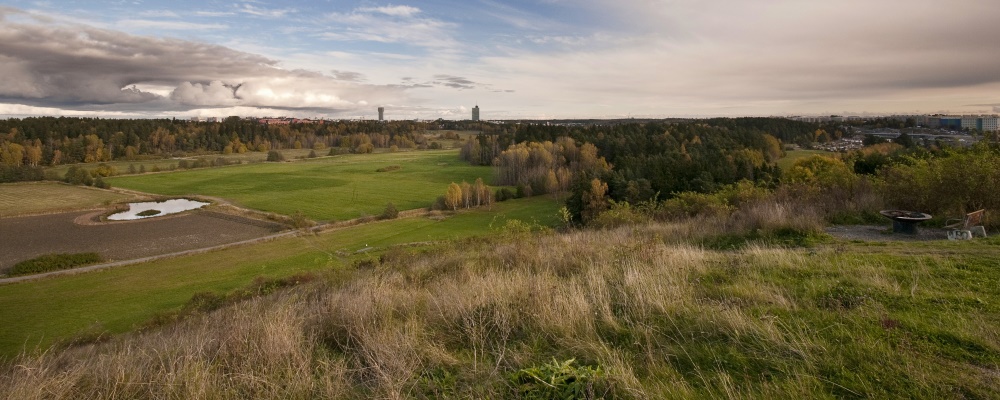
<point x="164" y="207"/>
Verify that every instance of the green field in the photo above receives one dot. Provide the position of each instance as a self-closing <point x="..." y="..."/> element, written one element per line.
<point x="792" y="156"/>
<point x="166" y="164"/>
<point x="333" y="188"/>
<point x="42" y="312"/>
<point x="44" y="197"/>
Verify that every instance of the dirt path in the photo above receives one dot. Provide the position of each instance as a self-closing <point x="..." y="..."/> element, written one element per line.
<point x="145" y="259"/>
<point x="883" y="233"/>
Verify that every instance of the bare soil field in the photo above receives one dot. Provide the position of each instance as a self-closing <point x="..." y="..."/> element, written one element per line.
<point x="23" y="238"/>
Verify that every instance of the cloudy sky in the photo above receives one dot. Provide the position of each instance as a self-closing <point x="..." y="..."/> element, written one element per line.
<point x="515" y="59"/>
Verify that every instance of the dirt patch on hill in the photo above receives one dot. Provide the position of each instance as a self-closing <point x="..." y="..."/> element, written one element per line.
<point x="23" y="238"/>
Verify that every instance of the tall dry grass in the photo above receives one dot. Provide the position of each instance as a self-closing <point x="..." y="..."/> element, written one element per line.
<point x="662" y="319"/>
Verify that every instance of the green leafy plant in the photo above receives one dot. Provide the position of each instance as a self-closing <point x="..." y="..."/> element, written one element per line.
<point x="560" y="380"/>
<point x="53" y="262"/>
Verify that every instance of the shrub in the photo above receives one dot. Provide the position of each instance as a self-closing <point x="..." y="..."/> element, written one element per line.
<point x="948" y="186"/>
<point x="99" y="182"/>
<point x="53" y="262"/>
<point x="690" y="204"/>
<point x="104" y="170"/>
<point x="300" y="221"/>
<point x="504" y="194"/>
<point x="390" y="211"/>
<point x="78" y="176"/>
<point x="275" y="156"/>
<point x="620" y="213"/>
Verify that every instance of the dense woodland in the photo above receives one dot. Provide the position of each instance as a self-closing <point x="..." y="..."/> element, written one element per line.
<point x="43" y="141"/>
<point x="638" y="161"/>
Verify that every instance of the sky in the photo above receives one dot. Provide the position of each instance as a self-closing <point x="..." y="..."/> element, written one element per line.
<point x="543" y="59"/>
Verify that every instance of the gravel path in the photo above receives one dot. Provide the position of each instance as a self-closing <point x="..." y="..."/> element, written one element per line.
<point x="883" y="233"/>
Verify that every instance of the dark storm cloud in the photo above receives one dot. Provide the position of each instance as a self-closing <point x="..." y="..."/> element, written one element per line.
<point x="89" y="65"/>
<point x="46" y="63"/>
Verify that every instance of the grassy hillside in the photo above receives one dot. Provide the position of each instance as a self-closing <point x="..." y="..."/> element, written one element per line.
<point x="336" y="188"/>
<point x="644" y="311"/>
<point x="43" y="197"/>
<point x="39" y="313"/>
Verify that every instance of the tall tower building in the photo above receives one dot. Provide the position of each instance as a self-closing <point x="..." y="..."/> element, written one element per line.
<point x="475" y="113"/>
<point x="381" y="114"/>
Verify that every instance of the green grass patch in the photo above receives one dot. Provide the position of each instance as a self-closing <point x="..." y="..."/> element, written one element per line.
<point x="120" y="299"/>
<point x="53" y="262"/>
<point x="45" y="197"/>
<point x="792" y="156"/>
<point x="333" y="188"/>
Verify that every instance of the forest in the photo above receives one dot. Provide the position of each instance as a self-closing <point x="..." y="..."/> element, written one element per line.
<point x="29" y="143"/>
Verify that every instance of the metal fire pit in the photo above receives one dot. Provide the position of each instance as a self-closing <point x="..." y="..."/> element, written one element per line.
<point x="905" y="221"/>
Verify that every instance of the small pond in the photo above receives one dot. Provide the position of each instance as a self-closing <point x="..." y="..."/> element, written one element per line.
<point x="155" y="209"/>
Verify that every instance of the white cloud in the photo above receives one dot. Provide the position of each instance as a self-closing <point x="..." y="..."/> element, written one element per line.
<point x="395" y="11"/>
<point x="397" y="24"/>
<point x="168" y="25"/>
<point x="265" y="12"/>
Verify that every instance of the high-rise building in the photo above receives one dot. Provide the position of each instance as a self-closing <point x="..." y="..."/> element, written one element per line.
<point x="381" y="114"/>
<point x="475" y="113"/>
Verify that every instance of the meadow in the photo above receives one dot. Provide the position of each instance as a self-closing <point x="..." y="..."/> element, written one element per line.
<point x="39" y="313"/>
<point x="45" y="197"/>
<point x="792" y="156"/>
<point x="149" y="164"/>
<point x="325" y="189"/>
<point x="639" y="311"/>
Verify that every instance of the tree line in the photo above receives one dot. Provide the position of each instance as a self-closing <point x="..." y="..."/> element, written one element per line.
<point x="635" y="162"/>
<point x="29" y="143"/>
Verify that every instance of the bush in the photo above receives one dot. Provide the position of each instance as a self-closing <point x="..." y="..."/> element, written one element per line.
<point x="948" y="186"/>
<point x="620" y="213"/>
<point x="53" y="262"/>
<point x="300" y="221"/>
<point x="78" y="176"/>
<point x="275" y="156"/>
<point x="21" y="173"/>
<point x="390" y="212"/>
<point x="690" y="204"/>
<point x="504" y="194"/>
<point x="104" y="170"/>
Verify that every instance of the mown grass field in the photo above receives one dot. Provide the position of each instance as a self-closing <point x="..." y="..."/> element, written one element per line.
<point x="121" y="167"/>
<point x="334" y="188"/>
<point x="42" y="312"/>
<point x="792" y="156"/>
<point x="44" y="197"/>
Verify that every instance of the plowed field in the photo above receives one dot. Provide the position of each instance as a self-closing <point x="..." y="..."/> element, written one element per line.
<point x="23" y="238"/>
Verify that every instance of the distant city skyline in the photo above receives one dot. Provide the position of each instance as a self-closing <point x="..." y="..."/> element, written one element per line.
<point x="554" y="59"/>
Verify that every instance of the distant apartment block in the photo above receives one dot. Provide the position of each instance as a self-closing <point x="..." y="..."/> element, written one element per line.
<point x="381" y="114"/>
<point x="475" y="113"/>
<point x="956" y="122"/>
